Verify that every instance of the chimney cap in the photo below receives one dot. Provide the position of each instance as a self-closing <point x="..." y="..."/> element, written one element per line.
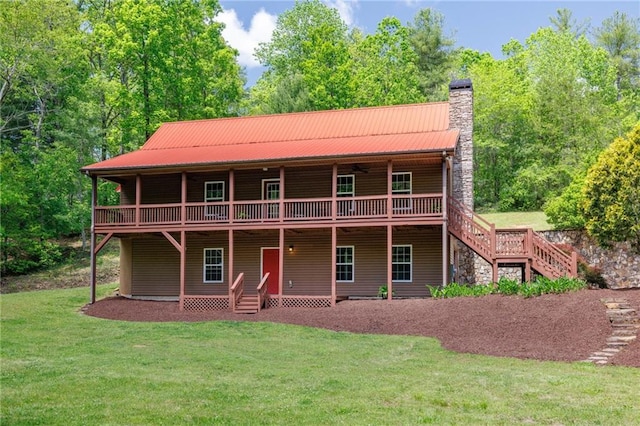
<point x="461" y="84"/>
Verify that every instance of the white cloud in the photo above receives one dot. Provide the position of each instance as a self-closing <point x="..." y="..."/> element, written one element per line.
<point x="246" y="41"/>
<point x="345" y="9"/>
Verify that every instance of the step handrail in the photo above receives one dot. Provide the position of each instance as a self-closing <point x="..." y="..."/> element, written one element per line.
<point x="480" y="235"/>
<point x="262" y="290"/>
<point x="236" y="291"/>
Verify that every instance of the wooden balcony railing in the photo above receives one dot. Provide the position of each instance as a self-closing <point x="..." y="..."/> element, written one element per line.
<point x="293" y="210"/>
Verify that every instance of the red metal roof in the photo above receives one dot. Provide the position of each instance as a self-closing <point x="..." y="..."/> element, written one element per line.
<point x="399" y="129"/>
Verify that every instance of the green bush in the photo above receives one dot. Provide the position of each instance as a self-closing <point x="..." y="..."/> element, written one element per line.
<point x="508" y="287"/>
<point x="611" y="199"/>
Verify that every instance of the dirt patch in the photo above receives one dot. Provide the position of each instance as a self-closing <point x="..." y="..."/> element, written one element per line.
<point x="566" y="327"/>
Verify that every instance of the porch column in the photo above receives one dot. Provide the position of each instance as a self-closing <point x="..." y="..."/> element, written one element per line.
<point x="232" y="190"/>
<point x="183" y="261"/>
<point x="334" y="244"/>
<point x="230" y="260"/>
<point x="94" y="198"/>
<point x="445" y="226"/>
<point x="281" y="200"/>
<point x="389" y="191"/>
<point x="389" y="261"/>
<point x="334" y="194"/>
<point x="281" y="263"/>
<point x="138" y="198"/>
<point x="183" y="200"/>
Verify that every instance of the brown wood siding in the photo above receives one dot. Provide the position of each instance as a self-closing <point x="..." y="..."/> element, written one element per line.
<point x="248" y="183"/>
<point x="427" y="259"/>
<point x="247" y="254"/>
<point x="308" y="182"/>
<point x="125" y="266"/>
<point x="159" y="189"/>
<point x="307" y="270"/>
<point x="194" y="267"/>
<point x="370" y="263"/>
<point x="196" y="181"/>
<point x="128" y="192"/>
<point x="155" y="267"/>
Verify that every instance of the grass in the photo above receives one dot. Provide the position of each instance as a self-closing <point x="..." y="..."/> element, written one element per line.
<point x="535" y="220"/>
<point x="62" y="367"/>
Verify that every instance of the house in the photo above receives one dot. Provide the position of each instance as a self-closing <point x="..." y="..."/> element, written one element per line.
<point x="305" y="209"/>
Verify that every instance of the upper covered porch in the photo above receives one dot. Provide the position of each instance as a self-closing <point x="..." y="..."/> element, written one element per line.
<point x="272" y="195"/>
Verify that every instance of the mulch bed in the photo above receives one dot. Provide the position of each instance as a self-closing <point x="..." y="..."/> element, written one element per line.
<point x="566" y="327"/>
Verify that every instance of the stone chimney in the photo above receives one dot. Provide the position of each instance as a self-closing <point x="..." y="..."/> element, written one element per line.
<point x="461" y="118"/>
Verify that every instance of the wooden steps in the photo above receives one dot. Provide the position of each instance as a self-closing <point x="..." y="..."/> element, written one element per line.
<point x="247" y="305"/>
<point x="523" y="246"/>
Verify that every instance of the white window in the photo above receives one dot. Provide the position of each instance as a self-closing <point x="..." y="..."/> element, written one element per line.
<point x="213" y="265"/>
<point x="401" y="183"/>
<point x="402" y="263"/>
<point x="345" y="185"/>
<point x="401" y="186"/>
<point x="344" y="263"/>
<point x="214" y="191"/>
<point x="346" y="188"/>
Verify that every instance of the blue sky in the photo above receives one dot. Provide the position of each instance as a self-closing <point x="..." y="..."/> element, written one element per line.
<point x="479" y="25"/>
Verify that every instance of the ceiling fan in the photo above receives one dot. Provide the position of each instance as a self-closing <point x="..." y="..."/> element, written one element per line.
<point x="358" y="168"/>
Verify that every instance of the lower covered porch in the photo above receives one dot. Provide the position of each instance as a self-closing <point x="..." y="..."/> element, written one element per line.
<point x="217" y="270"/>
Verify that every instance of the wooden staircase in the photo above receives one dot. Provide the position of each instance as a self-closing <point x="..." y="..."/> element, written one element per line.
<point x="521" y="246"/>
<point x="250" y="303"/>
<point x="247" y="305"/>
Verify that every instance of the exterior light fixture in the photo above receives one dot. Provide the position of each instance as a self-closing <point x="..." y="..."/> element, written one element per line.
<point x="291" y="248"/>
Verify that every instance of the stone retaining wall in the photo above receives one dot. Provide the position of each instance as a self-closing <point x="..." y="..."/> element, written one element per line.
<point x="619" y="266"/>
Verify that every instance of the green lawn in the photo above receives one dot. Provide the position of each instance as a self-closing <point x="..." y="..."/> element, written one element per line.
<point x="535" y="220"/>
<point x="62" y="367"/>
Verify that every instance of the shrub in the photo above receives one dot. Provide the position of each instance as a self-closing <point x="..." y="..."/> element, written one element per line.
<point x="507" y="287"/>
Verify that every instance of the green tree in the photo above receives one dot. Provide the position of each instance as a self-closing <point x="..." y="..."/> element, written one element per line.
<point x="435" y="53"/>
<point x="620" y="37"/>
<point x="161" y="60"/>
<point x="564" y="22"/>
<point x="611" y="202"/>
<point x="308" y="53"/>
<point x="386" y="72"/>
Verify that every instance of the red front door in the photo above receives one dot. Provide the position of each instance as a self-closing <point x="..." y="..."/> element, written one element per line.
<point x="271" y="264"/>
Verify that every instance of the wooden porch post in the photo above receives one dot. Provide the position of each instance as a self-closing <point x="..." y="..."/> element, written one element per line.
<point x="445" y="226"/>
<point x="281" y="200"/>
<point x="334" y="244"/>
<point x="230" y="260"/>
<point x="334" y="194"/>
<point x="389" y="191"/>
<point x="232" y="189"/>
<point x="94" y="199"/>
<point x="183" y="199"/>
<point x="183" y="261"/>
<point x="138" y="198"/>
<point x="389" y="262"/>
<point x="281" y="262"/>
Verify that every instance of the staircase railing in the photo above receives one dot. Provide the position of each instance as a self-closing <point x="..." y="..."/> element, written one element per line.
<point x="548" y="258"/>
<point x="237" y="290"/>
<point x="262" y="291"/>
<point x="491" y="244"/>
<point x="472" y="229"/>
